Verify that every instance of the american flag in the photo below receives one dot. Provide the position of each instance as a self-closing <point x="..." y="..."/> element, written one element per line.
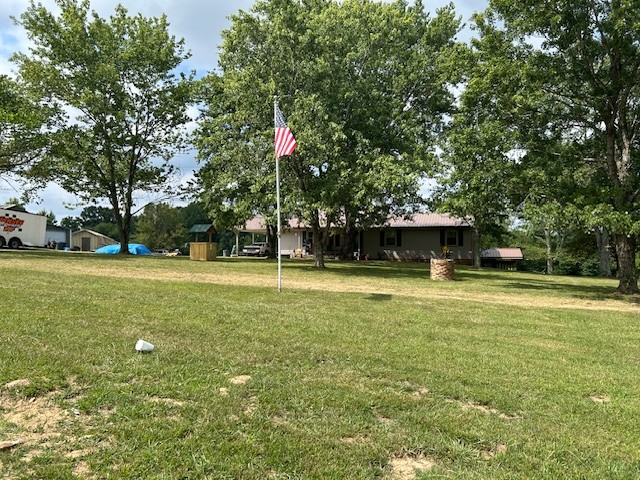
<point x="285" y="143"/>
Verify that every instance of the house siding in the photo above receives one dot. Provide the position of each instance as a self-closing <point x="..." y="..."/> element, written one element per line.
<point x="416" y="243"/>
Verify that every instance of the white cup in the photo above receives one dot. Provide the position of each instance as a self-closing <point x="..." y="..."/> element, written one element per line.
<point x="142" y="346"/>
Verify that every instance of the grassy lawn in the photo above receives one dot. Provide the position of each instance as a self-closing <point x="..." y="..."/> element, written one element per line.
<point x="361" y="371"/>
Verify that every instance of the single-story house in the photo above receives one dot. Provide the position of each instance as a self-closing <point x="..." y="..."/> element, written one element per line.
<point x="502" y="258"/>
<point x="89" y="241"/>
<point x="420" y="237"/>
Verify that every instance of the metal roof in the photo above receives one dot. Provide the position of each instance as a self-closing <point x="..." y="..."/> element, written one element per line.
<point x="503" y="253"/>
<point x="202" y="228"/>
<point x="428" y="220"/>
<point x="418" y="220"/>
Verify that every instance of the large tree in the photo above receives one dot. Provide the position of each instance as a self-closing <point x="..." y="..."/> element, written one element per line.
<point x="160" y="227"/>
<point x="121" y="105"/>
<point x="363" y="88"/>
<point x="22" y="126"/>
<point x="589" y="62"/>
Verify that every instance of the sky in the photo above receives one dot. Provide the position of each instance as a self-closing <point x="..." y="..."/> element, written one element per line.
<point x="199" y="22"/>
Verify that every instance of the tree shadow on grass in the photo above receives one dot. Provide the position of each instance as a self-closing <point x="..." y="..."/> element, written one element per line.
<point x="379" y="297"/>
<point x="378" y="269"/>
<point x="583" y="292"/>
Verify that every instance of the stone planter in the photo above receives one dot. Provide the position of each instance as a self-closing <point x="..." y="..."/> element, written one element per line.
<point x="442" y="269"/>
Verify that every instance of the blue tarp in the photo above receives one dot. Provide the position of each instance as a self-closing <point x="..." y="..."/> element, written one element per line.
<point x="134" y="248"/>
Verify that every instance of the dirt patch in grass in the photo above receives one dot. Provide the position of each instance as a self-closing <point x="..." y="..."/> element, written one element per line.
<point x="22" y="382"/>
<point x="407" y="467"/>
<point x="37" y="418"/>
<point x="499" y="449"/>
<point x="43" y="425"/>
<point x="384" y="420"/>
<point x="600" y="399"/>
<point x="420" y="392"/>
<point x="166" y="401"/>
<point x="240" y="379"/>
<point x="485" y="409"/>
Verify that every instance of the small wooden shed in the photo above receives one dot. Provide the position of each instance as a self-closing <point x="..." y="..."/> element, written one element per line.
<point x="89" y="241"/>
<point x="203" y="250"/>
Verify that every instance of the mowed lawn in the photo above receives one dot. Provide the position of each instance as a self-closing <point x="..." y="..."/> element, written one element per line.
<point x="360" y="371"/>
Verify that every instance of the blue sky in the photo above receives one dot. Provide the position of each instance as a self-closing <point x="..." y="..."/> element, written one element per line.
<point x="199" y="22"/>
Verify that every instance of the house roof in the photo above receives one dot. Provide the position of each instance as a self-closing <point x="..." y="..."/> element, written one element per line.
<point x="202" y="228"/>
<point x="503" y="253"/>
<point x="92" y="232"/>
<point x="429" y="220"/>
<point x="418" y="220"/>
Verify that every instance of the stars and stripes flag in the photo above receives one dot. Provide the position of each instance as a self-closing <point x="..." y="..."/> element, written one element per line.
<point x="285" y="143"/>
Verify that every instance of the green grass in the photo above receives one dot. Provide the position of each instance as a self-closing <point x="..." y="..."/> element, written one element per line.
<point x="350" y="367"/>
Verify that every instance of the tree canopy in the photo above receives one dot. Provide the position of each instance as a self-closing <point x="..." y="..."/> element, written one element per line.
<point x="22" y="129"/>
<point x="365" y="105"/>
<point x="558" y="85"/>
<point x="121" y="106"/>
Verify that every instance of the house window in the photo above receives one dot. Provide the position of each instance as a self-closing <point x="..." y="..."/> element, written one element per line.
<point x="391" y="237"/>
<point x="451" y="237"/>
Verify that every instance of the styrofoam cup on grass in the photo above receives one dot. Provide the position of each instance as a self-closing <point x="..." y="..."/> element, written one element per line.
<point x="142" y="346"/>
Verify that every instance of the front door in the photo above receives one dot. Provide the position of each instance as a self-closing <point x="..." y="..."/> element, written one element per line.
<point x="86" y="244"/>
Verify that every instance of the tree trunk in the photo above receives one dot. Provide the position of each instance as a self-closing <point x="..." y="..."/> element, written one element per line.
<point x="319" y="242"/>
<point x="477" y="260"/>
<point x="349" y="241"/>
<point x="272" y="240"/>
<point x="123" y="223"/>
<point x="548" y="242"/>
<point x="626" y="250"/>
<point x="602" y="240"/>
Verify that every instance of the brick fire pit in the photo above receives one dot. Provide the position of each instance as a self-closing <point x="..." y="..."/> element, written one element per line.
<point x="442" y="269"/>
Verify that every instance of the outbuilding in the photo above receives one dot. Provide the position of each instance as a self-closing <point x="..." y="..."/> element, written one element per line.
<point x="502" y="258"/>
<point x="89" y="241"/>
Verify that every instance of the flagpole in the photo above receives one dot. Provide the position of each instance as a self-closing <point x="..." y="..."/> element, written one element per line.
<point x="275" y="103"/>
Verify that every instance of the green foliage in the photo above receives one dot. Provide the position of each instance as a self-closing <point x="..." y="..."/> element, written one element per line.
<point x="51" y="217"/>
<point x="106" y="228"/>
<point x="121" y="109"/>
<point x="73" y="223"/>
<point x="92" y="215"/>
<point x="160" y="226"/>
<point x="22" y="123"/>
<point x="361" y="85"/>
<point x="587" y="71"/>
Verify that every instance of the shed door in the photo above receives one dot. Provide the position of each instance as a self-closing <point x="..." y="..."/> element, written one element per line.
<point x="86" y="244"/>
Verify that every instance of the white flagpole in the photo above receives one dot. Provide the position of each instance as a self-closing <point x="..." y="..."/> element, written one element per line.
<point x="275" y="103"/>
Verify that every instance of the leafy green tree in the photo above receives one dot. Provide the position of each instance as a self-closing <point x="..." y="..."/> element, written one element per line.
<point x="73" y="223"/>
<point x="109" y="229"/>
<point x="93" y="215"/>
<point x="363" y="89"/>
<point x="121" y="107"/>
<point x="160" y="226"/>
<point x="192" y="214"/>
<point x="51" y="217"/>
<point x="589" y="63"/>
<point x="22" y="125"/>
